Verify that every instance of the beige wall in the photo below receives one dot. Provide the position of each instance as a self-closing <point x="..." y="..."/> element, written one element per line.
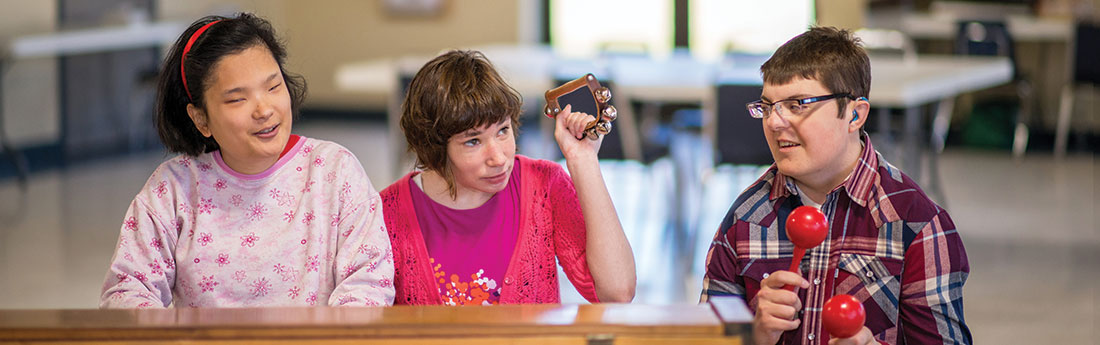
<point x="844" y="14"/>
<point x="320" y="35"/>
<point x="191" y="10"/>
<point x="31" y="113"/>
<point x="323" y="34"/>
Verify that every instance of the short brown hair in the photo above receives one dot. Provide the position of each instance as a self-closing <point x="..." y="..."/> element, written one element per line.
<point x="832" y="56"/>
<point x="451" y="94"/>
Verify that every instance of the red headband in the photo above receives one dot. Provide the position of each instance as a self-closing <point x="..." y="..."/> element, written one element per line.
<point x="187" y="48"/>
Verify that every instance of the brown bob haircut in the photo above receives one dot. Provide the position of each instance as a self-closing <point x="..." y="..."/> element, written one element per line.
<point x="832" y="56"/>
<point x="454" y="92"/>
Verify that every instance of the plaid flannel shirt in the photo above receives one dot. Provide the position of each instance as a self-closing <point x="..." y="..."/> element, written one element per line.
<point x="889" y="245"/>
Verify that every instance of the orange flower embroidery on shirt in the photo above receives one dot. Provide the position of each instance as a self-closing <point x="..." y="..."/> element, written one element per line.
<point x="478" y="291"/>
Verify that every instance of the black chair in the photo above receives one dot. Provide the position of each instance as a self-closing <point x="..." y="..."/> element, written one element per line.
<point x="1086" y="71"/>
<point x="992" y="38"/>
<point x="739" y="138"/>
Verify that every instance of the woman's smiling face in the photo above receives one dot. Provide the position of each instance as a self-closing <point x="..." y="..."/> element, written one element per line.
<point x="248" y="110"/>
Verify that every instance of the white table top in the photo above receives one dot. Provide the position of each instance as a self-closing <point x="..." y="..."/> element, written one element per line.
<point x="900" y="84"/>
<point x="139" y="35"/>
<point x="1022" y="27"/>
<point x="895" y="83"/>
<point x="526" y="68"/>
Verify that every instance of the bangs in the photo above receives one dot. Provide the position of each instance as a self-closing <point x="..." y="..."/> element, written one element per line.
<point x="813" y="62"/>
<point x="833" y="57"/>
<point x="803" y="70"/>
<point x="474" y="98"/>
<point x="451" y="94"/>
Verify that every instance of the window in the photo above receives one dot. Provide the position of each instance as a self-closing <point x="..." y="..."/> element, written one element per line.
<point x="584" y="28"/>
<point x="745" y="26"/>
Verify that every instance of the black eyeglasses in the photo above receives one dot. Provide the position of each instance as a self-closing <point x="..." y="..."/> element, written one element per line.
<point x="793" y="107"/>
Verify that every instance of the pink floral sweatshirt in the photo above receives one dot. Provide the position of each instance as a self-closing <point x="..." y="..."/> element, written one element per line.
<point x="308" y="231"/>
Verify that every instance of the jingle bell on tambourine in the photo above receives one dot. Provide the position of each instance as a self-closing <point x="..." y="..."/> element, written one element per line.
<point x="605" y="113"/>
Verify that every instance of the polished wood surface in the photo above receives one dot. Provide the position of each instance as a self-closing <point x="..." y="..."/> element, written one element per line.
<point x="508" y="324"/>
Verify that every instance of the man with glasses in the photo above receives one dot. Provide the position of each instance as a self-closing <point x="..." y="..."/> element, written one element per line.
<point x="889" y="246"/>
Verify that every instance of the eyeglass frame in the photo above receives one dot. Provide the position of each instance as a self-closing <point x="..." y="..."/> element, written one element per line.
<point x="804" y="101"/>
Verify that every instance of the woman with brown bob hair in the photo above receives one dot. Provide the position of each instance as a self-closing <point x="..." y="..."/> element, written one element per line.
<point x="479" y="224"/>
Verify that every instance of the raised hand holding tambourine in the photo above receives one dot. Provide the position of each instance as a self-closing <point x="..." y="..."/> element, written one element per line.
<point x="605" y="113"/>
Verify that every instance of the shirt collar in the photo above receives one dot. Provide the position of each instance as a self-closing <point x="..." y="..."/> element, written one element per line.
<point x="858" y="185"/>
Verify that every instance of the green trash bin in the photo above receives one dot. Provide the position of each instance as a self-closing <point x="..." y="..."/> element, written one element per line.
<point x="991" y="125"/>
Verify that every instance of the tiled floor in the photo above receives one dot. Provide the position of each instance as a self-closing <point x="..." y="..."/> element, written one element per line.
<point x="1029" y="227"/>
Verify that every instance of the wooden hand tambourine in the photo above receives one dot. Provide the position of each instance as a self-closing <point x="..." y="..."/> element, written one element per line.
<point x="605" y="112"/>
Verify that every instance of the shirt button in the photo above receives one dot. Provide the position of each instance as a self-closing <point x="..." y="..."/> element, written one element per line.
<point x="870" y="274"/>
<point x="508" y="280"/>
<point x="817" y="281"/>
<point x="811" y="336"/>
<point x="766" y="275"/>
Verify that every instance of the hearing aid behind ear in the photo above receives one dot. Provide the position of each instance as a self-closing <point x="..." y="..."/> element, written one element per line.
<point x="605" y="113"/>
<point x="855" y="113"/>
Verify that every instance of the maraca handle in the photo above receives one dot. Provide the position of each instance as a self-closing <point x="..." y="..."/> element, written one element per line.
<point x="795" y="261"/>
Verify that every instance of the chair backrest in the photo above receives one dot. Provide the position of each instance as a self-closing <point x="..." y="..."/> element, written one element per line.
<point x="991" y="38"/>
<point x="739" y="138"/>
<point x="1087" y="56"/>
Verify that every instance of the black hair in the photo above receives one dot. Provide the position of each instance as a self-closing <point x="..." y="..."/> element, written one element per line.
<point x="228" y="36"/>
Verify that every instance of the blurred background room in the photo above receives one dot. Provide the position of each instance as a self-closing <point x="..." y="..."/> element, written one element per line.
<point x="991" y="105"/>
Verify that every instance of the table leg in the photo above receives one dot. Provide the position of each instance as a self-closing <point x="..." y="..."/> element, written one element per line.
<point x="1065" y="112"/>
<point x="13" y="154"/>
<point x="940" y="125"/>
<point x="399" y="156"/>
<point x="911" y="143"/>
<point x="627" y="124"/>
<point x="886" y="142"/>
<point x="884" y="124"/>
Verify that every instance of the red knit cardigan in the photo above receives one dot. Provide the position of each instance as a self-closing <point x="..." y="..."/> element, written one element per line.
<point x="551" y="226"/>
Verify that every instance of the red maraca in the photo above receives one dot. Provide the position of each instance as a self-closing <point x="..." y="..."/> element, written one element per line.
<point x="843" y="316"/>
<point x="806" y="228"/>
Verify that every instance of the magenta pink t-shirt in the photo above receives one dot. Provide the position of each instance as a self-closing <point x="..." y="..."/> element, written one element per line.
<point x="469" y="250"/>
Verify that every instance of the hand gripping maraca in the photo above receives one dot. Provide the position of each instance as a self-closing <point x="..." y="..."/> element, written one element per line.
<point x="605" y="112"/>
<point x="806" y="228"/>
<point x="843" y="316"/>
